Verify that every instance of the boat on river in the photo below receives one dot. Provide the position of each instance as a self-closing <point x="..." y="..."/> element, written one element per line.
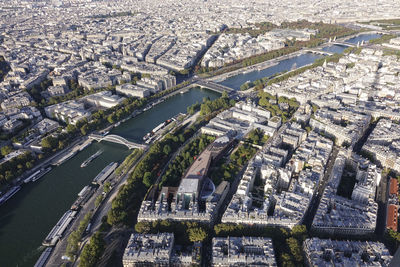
<point x="9" y="194"/>
<point x="92" y="157"/>
<point x="41" y="174"/>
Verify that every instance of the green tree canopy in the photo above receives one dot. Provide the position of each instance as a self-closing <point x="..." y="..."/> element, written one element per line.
<point x="5" y="150"/>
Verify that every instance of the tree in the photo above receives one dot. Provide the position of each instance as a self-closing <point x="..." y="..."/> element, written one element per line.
<point x="287" y="260"/>
<point x="75" y="236"/>
<point x="92" y="251"/>
<point x="61" y="144"/>
<point x="202" y="146"/>
<point x="107" y="187"/>
<point x="84" y="129"/>
<point x="111" y="118"/>
<point x="167" y="149"/>
<point x="29" y="165"/>
<point x="142" y="227"/>
<point x="49" y="143"/>
<point x="71" y="128"/>
<point x="197" y="234"/>
<point x="264" y="102"/>
<point x="147" y="181"/>
<point x="299" y="232"/>
<point x="72" y="243"/>
<point x="5" y="150"/>
<point x="295" y="249"/>
<point x="98" y="200"/>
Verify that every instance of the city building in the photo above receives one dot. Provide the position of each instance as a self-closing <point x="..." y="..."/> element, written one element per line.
<point x="69" y="112"/>
<point x="327" y="252"/>
<point x="246" y="251"/>
<point x="338" y="215"/>
<point x="131" y="90"/>
<point x="104" y="99"/>
<point x="148" y="249"/>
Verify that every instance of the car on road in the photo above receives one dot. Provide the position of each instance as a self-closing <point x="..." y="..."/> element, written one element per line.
<point x="65" y="257"/>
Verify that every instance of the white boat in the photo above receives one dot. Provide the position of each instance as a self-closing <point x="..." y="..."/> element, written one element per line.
<point x="29" y="179"/>
<point x="99" y="179"/>
<point x="9" y="194"/>
<point x="85" y="145"/>
<point x="64" y="158"/>
<point x="41" y="174"/>
<point x="92" y="157"/>
<point x="147" y="136"/>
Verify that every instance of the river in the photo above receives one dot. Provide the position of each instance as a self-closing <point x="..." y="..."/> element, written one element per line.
<point x="27" y="218"/>
<point x="287" y="64"/>
<point x="362" y="37"/>
<point x="295" y="62"/>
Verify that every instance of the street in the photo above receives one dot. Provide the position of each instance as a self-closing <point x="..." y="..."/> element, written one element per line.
<point x="309" y="216"/>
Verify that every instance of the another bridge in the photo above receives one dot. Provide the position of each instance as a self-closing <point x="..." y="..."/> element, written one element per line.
<point x="117" y="139"/>
<point x="213" y="86"/>
<point x="345" y="44"/>
<point x="317" y="51"/>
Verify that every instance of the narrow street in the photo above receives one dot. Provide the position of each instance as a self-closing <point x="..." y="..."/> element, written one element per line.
<point x="309" y="216"/>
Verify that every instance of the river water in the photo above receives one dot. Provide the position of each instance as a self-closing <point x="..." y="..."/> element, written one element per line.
<point x="363" y="37"/>
<point x="295" y="62"/>
<point x="339" y="48"/>
<point x="27" y="218"/>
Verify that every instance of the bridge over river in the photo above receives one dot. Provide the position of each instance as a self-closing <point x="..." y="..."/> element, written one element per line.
<point x="113" y="138"/>
<point x="213" y="86"/>
<point x="346" y="43"/>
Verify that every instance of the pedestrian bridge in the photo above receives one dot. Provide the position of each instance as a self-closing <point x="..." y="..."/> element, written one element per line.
<point x="113" y="138"/>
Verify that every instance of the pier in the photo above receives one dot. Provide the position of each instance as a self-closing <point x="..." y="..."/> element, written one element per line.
<point x="113" y="138"/>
